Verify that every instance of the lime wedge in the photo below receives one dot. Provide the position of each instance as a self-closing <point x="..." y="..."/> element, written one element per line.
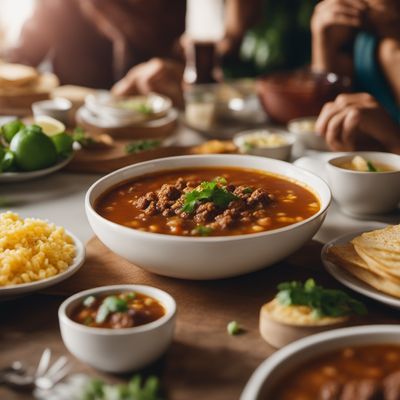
<point x="49" y="125"/>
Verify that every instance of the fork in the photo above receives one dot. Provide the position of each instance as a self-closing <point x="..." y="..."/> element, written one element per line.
<point x="45" y="376"/>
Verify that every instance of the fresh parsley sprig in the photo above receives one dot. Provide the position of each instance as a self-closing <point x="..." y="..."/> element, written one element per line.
<point x="214" y="191"/>
<point x="323" y="302"/>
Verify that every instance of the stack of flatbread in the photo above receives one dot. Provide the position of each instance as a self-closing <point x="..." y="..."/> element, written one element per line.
<point x="21" y="85"/>
<point x="373" y="257"/>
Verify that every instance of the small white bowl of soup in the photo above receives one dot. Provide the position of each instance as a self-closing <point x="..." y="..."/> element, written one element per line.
<point x="338" y="361"/>
<point x="118" y="328"/>
<point x="207" y="216"/>
<point x="266" y="143"/>
<point x="365" y="183"/>
<point x="304" y="129"/>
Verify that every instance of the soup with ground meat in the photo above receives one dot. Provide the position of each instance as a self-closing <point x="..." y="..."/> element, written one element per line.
<point x="208" y="202"/>
<point x="354" y="373"/>
<point x="119" y="310"/>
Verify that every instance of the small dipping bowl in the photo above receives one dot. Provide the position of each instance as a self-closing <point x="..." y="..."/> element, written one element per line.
<point x="304" y="129"/>
<point x="365" y="193"/>
<point x="58" y="108"/>
<point x="118" y="350"/>
<point x="269" y="143"/>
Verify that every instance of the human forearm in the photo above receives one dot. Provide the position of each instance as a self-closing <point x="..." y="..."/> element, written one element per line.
<point x="389" y="59"/>
<point x="328" y="58"/>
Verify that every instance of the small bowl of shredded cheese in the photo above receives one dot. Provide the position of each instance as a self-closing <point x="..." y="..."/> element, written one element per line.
<point x="267" y="143"/>
<point x="34" y="251"/>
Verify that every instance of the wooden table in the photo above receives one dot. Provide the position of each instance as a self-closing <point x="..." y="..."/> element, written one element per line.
<point x="203" y="361"/>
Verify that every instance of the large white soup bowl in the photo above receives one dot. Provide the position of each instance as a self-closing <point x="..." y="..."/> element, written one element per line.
<point x="277" y="367"/>
<point x="206" y="257"/>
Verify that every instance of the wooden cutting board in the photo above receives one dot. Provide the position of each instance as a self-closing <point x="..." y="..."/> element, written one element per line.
<point x="103" y="161"/>
<point x="204" y="361"/>
<point x="108" y="159"/>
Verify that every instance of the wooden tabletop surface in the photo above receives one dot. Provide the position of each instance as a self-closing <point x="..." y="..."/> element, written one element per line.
<point x="203" y="361"/>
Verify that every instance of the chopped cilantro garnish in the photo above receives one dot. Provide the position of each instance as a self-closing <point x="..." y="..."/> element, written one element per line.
<point x="221" y="180"/>
<point x="371" y="167"/>
<point x="208" y="191"/>
<point x="203" y="230"/>
<point x="248" y="146"/>
<point x="247" y="190"/>
<point x="323" y="302"/>
<point x="142" y="145"/>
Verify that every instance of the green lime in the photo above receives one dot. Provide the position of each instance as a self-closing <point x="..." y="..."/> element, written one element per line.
<point x="33" y="149"/>
<point x="10" y="129"/>
<point x="63" y="143"/>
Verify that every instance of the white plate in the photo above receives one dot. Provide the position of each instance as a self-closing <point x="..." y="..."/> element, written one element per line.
<point x="351" y="281"/>
<point x="12" y="291"/>
<point x="9" y="177"/>
<point x="89" y="117"/>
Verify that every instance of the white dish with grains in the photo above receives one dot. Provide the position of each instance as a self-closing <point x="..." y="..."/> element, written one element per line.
<point x="35" y="255"/>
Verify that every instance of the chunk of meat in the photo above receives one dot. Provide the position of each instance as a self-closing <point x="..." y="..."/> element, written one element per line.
<point x="391" y="386"/>
<point x="260" y="196"/>
<point x="144" y="201"/>
<point x="365" y="389"/>
<point x="224" y="221"/>
<point x="205" y="212"/>
<point x="331" y="391"/>
<point x="121" y="320"/>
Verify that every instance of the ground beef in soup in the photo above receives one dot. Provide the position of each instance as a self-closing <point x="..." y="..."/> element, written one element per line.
<point x="170" y="198"/>
<point x="208" y="201"/>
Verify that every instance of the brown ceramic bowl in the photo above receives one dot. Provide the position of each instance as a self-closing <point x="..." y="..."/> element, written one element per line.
<point x="297" y="94"/>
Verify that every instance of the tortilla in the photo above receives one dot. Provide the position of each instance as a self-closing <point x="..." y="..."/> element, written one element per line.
<point x="386" y="239"/>
<point x="377" y="265"/>
<point x="373" y="257"/>
<point x="380" y="283"/>
<point x="346" y="254"/>
<point x="346" y="257"/>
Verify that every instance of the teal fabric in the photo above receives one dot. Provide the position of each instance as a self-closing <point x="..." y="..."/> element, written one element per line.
<point x="368" y="75"/>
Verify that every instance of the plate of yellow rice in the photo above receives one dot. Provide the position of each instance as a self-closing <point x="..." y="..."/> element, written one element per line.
<point x="35" y="254"/>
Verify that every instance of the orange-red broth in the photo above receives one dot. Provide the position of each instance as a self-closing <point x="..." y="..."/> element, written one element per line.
<point x="293" y="202"/>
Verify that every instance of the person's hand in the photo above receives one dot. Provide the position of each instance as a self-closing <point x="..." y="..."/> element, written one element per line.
<point x="383" y="17"/>
<point x="334" y="25"/>
<point x="334" y="21"/>
<point x="358" y="122"/>
<point x="157" y="75"/>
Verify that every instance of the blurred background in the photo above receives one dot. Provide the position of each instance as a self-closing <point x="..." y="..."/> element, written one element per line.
<point x="13" y="14"/>
<point x="280" y="39"/>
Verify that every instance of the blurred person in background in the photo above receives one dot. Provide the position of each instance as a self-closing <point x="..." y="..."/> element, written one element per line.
<point x="360" y="39"/>
<point x="136" y="43"/>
